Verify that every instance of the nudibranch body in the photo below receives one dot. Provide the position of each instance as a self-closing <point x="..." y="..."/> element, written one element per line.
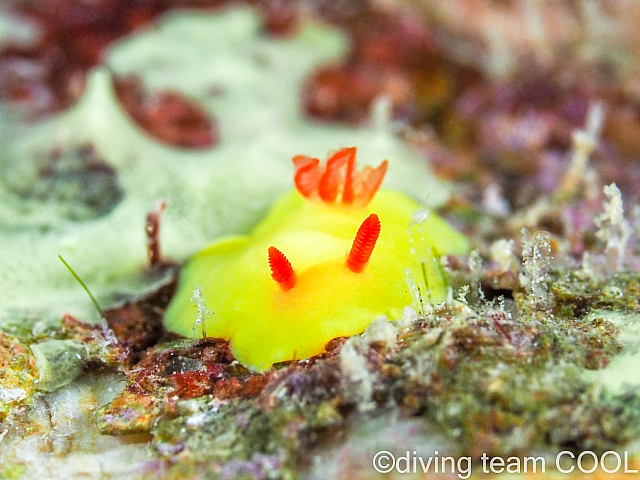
<point x="329" y="258"/>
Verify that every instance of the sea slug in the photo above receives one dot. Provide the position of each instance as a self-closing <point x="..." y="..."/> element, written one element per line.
<point x="329" y="258"/>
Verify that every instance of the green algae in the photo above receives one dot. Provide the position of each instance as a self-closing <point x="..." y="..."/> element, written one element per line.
<point x="58" y="362"/>
<point x="128" y="414"/>
<point x="11" y="472"/>
<point x="577" y="295"/>
<point x="241" y="436"/>
<point x="506" y="383"/>
<point x="503" y="399"/>
<point x="620" y="374"/>
<point x="40" y="356"/>
<point x="30" y="360"/>
<point x="18" y="375"/>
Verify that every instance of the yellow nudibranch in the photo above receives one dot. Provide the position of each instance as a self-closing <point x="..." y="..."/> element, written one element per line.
<point x="329" y="258"/>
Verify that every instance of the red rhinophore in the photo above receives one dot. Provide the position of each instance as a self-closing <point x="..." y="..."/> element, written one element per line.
<point x="338" y="180"/>
<point x="281" y="269"/>
<point x="364" y="243"/>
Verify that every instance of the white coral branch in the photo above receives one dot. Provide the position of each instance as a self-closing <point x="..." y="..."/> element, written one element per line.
<point x="613" y="228"/>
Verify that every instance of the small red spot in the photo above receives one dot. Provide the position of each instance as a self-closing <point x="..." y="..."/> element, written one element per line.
<point x="364" y="243"/>
<point x="281" y="269"/>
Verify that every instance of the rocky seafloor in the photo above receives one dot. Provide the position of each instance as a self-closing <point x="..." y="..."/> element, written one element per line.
<point x="200" y="110"/>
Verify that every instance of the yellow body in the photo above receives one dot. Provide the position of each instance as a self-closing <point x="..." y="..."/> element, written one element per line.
<point x="265" y="324"/>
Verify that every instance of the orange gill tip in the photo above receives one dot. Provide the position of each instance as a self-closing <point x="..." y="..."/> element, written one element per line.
<point x="364" y="243"/>
<point x="369" y="181"/>
<point x="348" y="191"/>
<point x="281" y="269"/>
<point x="336" y="174"/>
<point x="338" y="180"/>
<point x="307" y="174"/>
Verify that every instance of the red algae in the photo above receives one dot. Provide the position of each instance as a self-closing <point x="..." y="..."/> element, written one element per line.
<point x="166" y="115"/>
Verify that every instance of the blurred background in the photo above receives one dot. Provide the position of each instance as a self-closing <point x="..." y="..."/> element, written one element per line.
<point x="492" y="90"/>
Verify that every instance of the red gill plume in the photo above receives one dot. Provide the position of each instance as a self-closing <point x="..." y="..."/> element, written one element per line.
<point x="338" y="180"/>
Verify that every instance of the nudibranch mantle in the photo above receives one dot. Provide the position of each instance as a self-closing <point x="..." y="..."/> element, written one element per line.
<point x="314" y="227"/>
